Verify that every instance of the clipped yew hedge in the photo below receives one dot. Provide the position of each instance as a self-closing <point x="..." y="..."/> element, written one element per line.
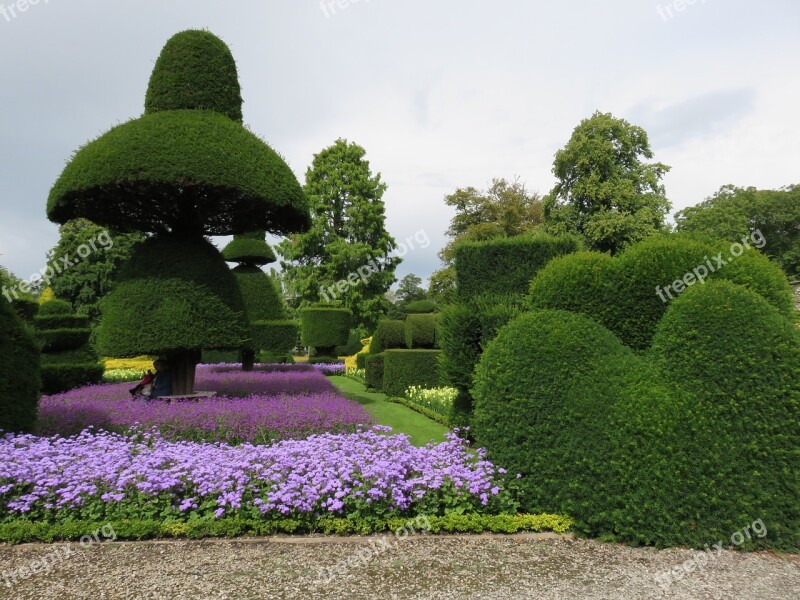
<point x="324" y="328"/>
<point x="389" y="335"/>
<point x="374" y="365"/>
<point x="404" y="368"/>
<point x="420" y="331"/>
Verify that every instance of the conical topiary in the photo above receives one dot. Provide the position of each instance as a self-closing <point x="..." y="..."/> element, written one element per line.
<point x="185" y="169"/>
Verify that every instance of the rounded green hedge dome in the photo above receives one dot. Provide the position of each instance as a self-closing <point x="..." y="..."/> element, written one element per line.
<point x="19" y="372"/>
<point x="195" y="71"/>
<point x="173" y="294"/>
<point x="249" y="249"/>
<point x="186" y="171"/>
<point x="262" y="298"/>
<point x="54" y="307"/>
<point x="543" y="388"/>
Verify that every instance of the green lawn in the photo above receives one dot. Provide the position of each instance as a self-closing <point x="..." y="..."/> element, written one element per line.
<point x="400" y="418"/>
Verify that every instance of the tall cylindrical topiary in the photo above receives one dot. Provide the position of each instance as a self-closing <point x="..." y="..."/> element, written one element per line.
<point x="185" y="169"/>
<point x="264" y="306"/>
<point x="68" y="361"/>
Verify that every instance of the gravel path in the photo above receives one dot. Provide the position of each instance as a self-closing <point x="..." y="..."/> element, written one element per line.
<point x="419" y="567"/>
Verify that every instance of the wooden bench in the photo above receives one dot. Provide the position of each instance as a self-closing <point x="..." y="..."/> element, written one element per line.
<point x="195" y="397"/>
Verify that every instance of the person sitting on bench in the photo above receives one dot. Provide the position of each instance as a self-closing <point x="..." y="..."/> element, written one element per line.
<point x="162" y="382"/>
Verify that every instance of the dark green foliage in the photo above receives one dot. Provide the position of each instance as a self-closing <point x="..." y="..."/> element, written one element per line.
<point x="195" y="71"/>
<point x="506" y="265"/>
<point x="27" y="308"/>
<point x="173" y="293"/>
<point x="61" y="321"/>
<point x="324" y="328"/>
<point x="420" y="331"/>
<point x="465" y="331"/>
<point x="220" y="356"/>
<point x="420" y="307"/>
<point x="137" y="176"/>
<point x="361" y="360"/>
<point x="623" y="293"/>
<point x="60" y="377"/>
<point x="261" y="294"/>
<point x="249" y="250"/>
<point x="683" y="444"/>
<point x="55" y="340"/>
<point x="277" y="337"/>
<point x="404" y="368"/>
<point x="19" y="371"/>
<point x="373" y="363"/>
<point x="353" y="344"/>
<point x="389" y="335"/>
<point x="55" y="307"/>
<point x="325" y="360"/>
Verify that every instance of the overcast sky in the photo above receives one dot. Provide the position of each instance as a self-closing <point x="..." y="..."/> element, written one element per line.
<point x="441" y="93"/>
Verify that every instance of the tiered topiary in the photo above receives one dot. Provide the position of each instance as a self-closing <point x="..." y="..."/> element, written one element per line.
<point x="389" y="335"/>
<point x="404" y="368"/>
<point x="322" y="328"/>
<point x="420" y="331"/>
<point x="19" y="371"/>
<point x="270" y="328"/>
<point x="419" y="307"/>
<point x="185" y="169"/>
<point x="68" y="360"/>
<point x="683" y="444"/>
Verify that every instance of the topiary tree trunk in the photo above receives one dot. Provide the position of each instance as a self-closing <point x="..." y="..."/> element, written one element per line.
<point x="248" y="360"/>
<point x="182" y="366"/>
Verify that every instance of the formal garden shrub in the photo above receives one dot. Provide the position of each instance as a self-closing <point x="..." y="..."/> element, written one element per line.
<point x="323" y="328"/>
<point x="629" y="295"/>
<point x="506" y="265"/>
<point x="405" y="368"/>
<point x="68" y="360"/>
<point x="683" y="444"/>
<point x="465" y="330"/>
<point x="389" y="335"/>
<point x="420" y="331"/>
<point x="373" y="363"/>
<point x="420" y="307"/>
<point x="26" y="308"/>
<point x="19" y="371"/>
<point x="189" y="167"/>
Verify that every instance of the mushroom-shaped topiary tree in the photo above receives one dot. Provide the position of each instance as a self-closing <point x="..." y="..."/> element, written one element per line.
<point x="322" y="328"/>
<point x="185" y="169"/>
<point x="264" y="307"/>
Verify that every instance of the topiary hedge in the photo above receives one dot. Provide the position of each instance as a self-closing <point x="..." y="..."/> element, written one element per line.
<point x="173" y="292"/>
<point x="27" y="308"/>
<point x="465" y="330"/>
<point x="361" y="360"/>
<point x="629" y="295"/>
<point x="324" y="328"/>
<point x="19" y="372"/>
<point x="277" y="337"/>
<point x="506" y="265"/>
<point x="249" y="249"/>
<point x="404" y="368"/>
<point x="373" y="363"/>
<point x="68" y="361"/>
<point x="420" y="331"/>
<point x="684" y="444"/>
<point x="420" y="307"/>
<point x="389" y="335"/>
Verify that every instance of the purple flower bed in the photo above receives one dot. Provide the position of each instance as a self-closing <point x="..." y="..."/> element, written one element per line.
<point x="107" y="475"/>
<point x="257" y="406"/>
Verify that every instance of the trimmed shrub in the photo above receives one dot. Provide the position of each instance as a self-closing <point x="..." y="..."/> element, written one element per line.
<point x="361" y="360"/>
<point x="420" y="307"/>
<point x="55" y="307"/>
<point x="404" y="368"/>
<point x="19" y="372"/>
<point x="420" y="331"/>
<point x="27" y="308"/>
<point x="55" y="340"/>
<point x="465" y="331"/>
<point x="173" y="293"/>
<point x="277" y="337"/>
<point x="353" y="345"/>
<point x="60" y="377"/>
<point x="61" y="322"/>
<point x="249" y="249"/>
<point x="373" y="363"/>
<point x="389" y="335"/>
<point x="628" y="293"/>
<point x="506" y="265"/>
<point x="195" y="71"/>
<point x="324" y="328"/>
